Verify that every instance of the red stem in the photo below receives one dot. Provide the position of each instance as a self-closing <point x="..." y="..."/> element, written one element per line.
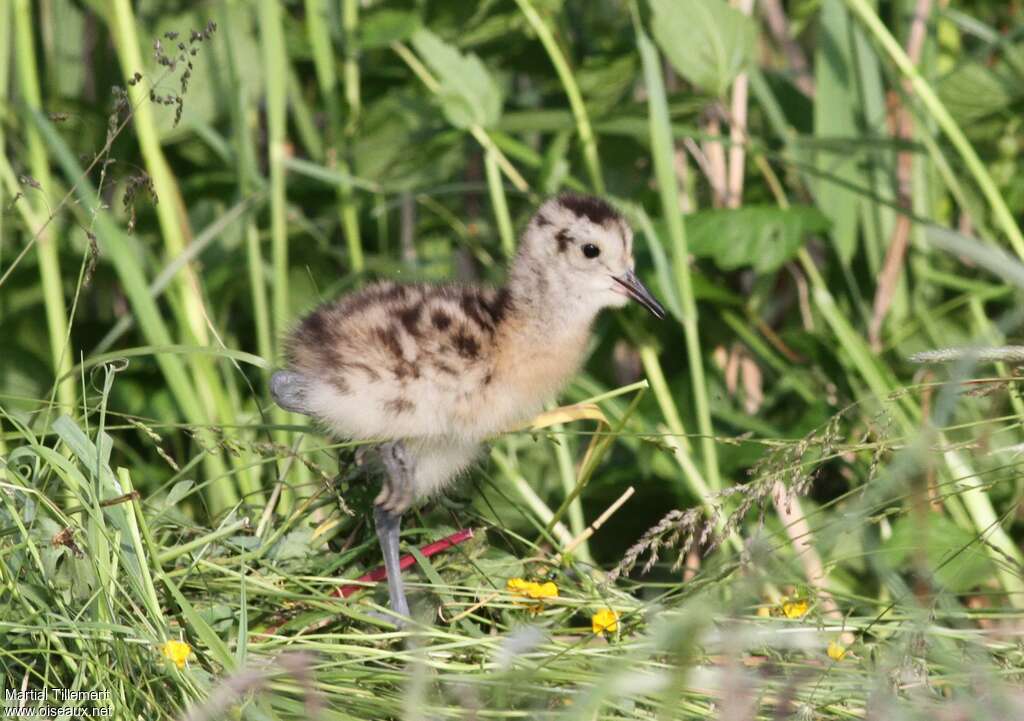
<point x="431" y="549"/>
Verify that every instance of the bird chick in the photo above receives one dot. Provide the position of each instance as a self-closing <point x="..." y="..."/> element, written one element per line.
<point x="433" y="370"/>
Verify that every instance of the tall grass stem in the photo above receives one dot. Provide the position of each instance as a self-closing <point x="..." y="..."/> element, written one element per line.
<point x="47" y="242"/>
<point x="572" y="91"/>
<point x="668" y="189"/>
<point x="930" y="99"/>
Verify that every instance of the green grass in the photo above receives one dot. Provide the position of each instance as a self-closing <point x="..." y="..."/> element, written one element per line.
<point x="796" y="483"/>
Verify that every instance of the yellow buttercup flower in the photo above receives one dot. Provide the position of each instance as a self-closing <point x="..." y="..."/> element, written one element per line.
<point x="517" y="585"/>
<point x="178" y="652"/>
<point x="836" y="650"/>
<point x="794" y="608"/>
<point x="544" y="590"/>
<point x="604" y="620"/>
<point x="534" y="591"/>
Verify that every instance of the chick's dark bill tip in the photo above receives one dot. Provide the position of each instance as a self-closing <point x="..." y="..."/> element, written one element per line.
<point x="638" y="292"/>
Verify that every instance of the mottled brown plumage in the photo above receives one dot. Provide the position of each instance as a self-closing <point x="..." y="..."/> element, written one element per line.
<point x="436" y="369"/>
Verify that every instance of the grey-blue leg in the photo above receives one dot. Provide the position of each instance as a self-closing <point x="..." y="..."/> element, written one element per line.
<point x="393" y="500"/>
<point x="388" y="526"/>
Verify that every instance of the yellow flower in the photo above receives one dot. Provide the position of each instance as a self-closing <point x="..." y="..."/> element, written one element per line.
<point x="178" y="652"/>
<point x="517" y="585"/>
<point x="836" y="650"/>
<point x="532" y="589"/>
<point x="794" y="608"/>
<point x="544" y="590"/>
<point x="604" y="620"/>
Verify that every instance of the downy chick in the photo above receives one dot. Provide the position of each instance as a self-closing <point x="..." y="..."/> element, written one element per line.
<point x="433" y="370"/>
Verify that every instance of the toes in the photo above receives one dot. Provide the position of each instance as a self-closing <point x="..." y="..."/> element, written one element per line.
<point x="403" y="501"/>
<point x="398" y="502"/>
<point x="382" y="499"/>
<point x="389" y="503"/>
<point x="362" y="452"/>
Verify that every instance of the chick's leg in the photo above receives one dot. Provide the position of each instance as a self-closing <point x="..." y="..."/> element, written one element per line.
<point x="388" y="525"/>
<point x="387" y="514"/>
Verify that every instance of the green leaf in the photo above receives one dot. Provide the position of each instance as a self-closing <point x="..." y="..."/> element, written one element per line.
<point x="974" y="91"/>
<point x="707" y="42"/>
<point x="295" y="544"/>
<point x="178" y="492"/>
<point x="838" y="103"/>
<point x="380" y="29"/>
<point x="86" y="452"/>
<point x="605" y="80"/>
<point x="955" y="556"/>
<point x="214" y="644"/>
<point x="763" y="237"/>
<point x="469" y="95"/>
<point x="211" y="78"/>
<point x="556" y="166"/>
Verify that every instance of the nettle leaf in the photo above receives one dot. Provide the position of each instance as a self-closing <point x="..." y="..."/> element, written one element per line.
<point x="383" y="27"/>
<point x="955" y="556"/>
<point x="469" y="95"/>
<point x="707" y="42"/>
<point x="294" y="544"/>
<point x="763" y="237"/>
<point x="974" y="91"/>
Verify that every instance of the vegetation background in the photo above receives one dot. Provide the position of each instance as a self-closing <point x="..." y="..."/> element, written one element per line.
<point x="789" y="518"/>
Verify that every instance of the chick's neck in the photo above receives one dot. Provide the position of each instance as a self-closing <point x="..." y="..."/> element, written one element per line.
<point x="544" y="308"/>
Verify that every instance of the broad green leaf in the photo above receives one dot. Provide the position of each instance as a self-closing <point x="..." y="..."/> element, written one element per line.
<point x="213" y="77"/>
<point x="877" y="219"/>
<point x="556" y="166"/>
<point x="974" y="91"/>
<point x="178" y="492"/>
<point x="71" y="37"/>
<point x="380" y="29"/>
<point x="493" y="29"/>
<point x="294" y="544"/>
<point x="712" y="291"/>
<point x="763" y="237"/>
<point x="384" y="155"/>
<point x="836" y="108"/>
<point x="469" y="95"/>
<point x="955" y="556"/>
<point x="605" y="80"/>
<point x="707" y="42"/>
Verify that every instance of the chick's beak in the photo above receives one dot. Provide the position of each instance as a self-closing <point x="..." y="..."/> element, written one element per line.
<point x="636" y="290"/>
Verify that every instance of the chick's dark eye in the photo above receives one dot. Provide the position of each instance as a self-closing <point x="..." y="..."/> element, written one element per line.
<point x="591" y="251"/>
